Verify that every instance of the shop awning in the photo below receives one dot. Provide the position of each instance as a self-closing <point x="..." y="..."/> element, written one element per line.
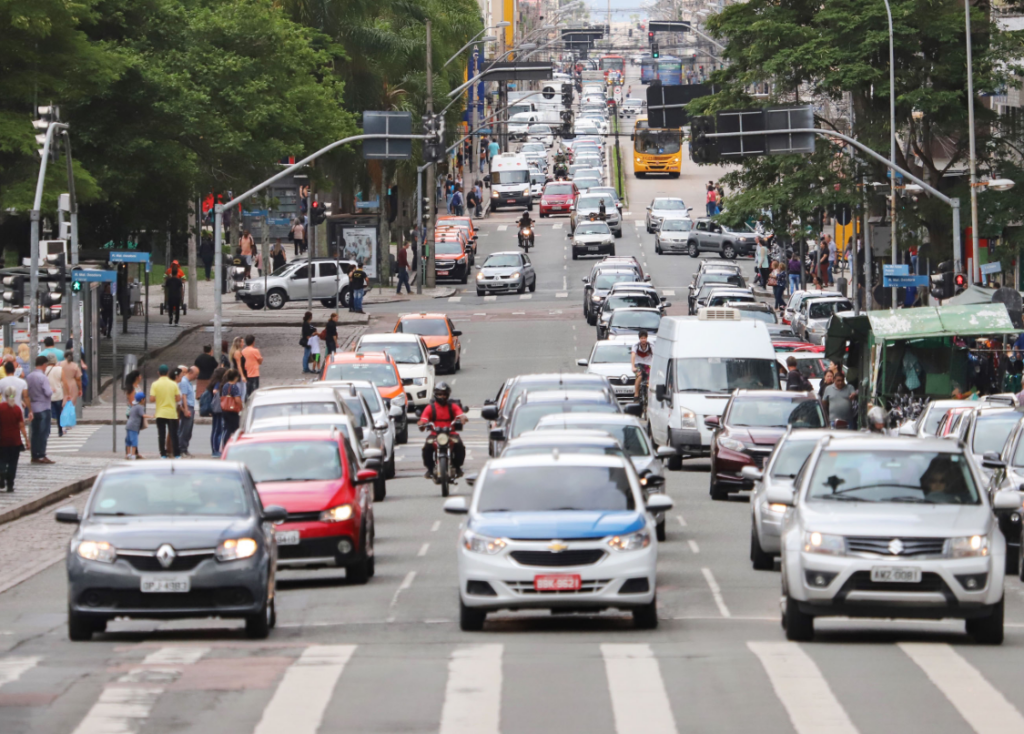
<point x="920" y="323"/>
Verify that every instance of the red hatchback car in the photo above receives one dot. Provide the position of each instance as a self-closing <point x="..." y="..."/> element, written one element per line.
<point x="558" y="198"/>
<point x="315" y="476"/>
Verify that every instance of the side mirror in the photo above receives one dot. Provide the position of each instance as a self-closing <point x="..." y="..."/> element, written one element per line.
<point x="434" y="360"/>
<point x="490" y="401"/>
<point x="780" y="496"/>
<point x="396" y="411"/>
<point x="666" y="304"/>
<point x="489" y="412"/>
<point x="991" y="460"/>
<point x="659" y="393"/>
<point x="275" y="514"/>
<point x="458" y="333"/>
<point x="659" y="503"/>
<point x="365" y="476"/>
<point x="374" y="464"/>
<point x="456" y="506"/>
<point x="1004" y="501"/>
<point x="666" y="452"/>
<point x="712" y="421"/>
<point x="647" y="278"/>
<point x="751" y="473"/>
<point x="633" y="409"/>
<point x="582" y="362"/>
<point x="381" y="425"/>
<point x="67" y="514"/>
<point x="497" y="434"/>
<point x="471" y="479"/>
<point x="373" y="454"/>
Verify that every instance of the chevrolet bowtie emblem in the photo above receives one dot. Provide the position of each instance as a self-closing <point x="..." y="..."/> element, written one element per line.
<point x="557" y="546"/>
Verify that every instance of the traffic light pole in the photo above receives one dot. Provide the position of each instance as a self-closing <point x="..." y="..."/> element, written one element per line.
<point x="428" y="243"/>
<point x="35" y="215"/>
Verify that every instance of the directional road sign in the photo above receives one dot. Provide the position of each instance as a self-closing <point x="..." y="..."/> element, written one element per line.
<point x="904" y="281"/>
<point x="891" y="269"/>
<point x="94" y="276"/>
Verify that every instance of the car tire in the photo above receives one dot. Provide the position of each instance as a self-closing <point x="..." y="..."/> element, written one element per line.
<point x="575" y="256"/>
<point x="646" y="617"/>
<point x="254" y="306"/>
<point x="346" y="297"/>
<point x="470" y="619"/>
<point x="675" y="463"/>
<point x="276" y="299"/>
<point x="759" y="559"/>
<point x="522" y="287"/>
<point x="657" y="246"/>
<point x="799" y="626"/>
<point x="533" y="286"/>
<point x="728" y="251"/>
<point x="640" y="174"/>
<point x="613" y="251"/>
<point x="673" y="174"/>
<point x="360" y="571"/>
<point x="327" y="302"/>
<point x="529" y="208"/>
<point x="389" y="466"/>
<point x="80" y="627"/>
<point x="659" y="530"/>
<point x="380" y="488"/>
<point x="618" y="235"/>
<point x="402" y="437"/>
<point x="649" y="230"/>
<point x="692" y="250"/>
<point x="542" y="215"/>
<point x="465" y="277"/>
<point x="717" y="492"/>
<point x="1020" y="558"/>
<point x="257" y="626"/>
<point x="480" y="292"/>
<point x="988" y="630"/>
<point x="591" y="319"/>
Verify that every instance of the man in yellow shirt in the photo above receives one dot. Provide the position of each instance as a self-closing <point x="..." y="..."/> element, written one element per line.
<point x="165" y="393"/>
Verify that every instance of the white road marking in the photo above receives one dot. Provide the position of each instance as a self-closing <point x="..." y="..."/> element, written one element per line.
<point x="983" y="706"/>
<point x="802" y="689"/>
<point x="556" y="225"/>
<point x="716" y="592"/>
<point x="525" y="296"/>
<point x="668" y="292"/>
<point x="454" y="299"/>
<point x="565" y="282"/>
<point x="435" y="526"/>
<point x="681" y="520"/>
<point x="175" y="656"/>
<point x="406" y="583"/>
<point x="305" y="690"/>
<point x="490" y="298"/>
<point x="423" y="550"/>
<point x="561" y="295"/>
<point x="627" y="214"/>
<point x="502" y="227"/>
<point x="574" y="327"/>
<point x="519" y="313"/>
<point x="13" y="668"/>
<point x="472" y="698"/>
<point x="639" y="701"/>
<point x="693" y="546"/>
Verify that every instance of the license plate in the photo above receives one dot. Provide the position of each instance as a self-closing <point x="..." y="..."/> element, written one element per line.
<point x="557" y="582"/>
<point x="510" y="201"/>
<point x="592" y="248"/>
<point x="287" y="537"/>
<point x="895" y="575"/>
<point x="166" y="584"/>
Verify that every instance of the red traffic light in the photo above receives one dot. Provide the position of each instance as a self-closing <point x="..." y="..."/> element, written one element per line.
<point x="650" y="35"/>
<point x="960" y="280"/>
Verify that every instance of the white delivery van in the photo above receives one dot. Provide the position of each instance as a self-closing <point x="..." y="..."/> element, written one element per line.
<point x="698" y="362"/>
<point x="509" y="181"/>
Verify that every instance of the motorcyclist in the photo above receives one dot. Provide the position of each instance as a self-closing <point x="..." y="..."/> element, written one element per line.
<point x="561" y="166"/>
<point x="641" y="358"/>
<point x="443" y="414"/>
<point x="525" y="222"/>
<point x="876" y="420"/>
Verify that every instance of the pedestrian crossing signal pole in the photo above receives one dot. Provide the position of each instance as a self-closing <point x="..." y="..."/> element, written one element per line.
<point x="428" y="243"/>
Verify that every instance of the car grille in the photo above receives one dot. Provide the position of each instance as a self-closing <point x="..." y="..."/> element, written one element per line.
<point x="586" y="587"/>
<point x="228" y="596"/>
<point x="180" y="563"/>
<point x="911" y="546"/>
<point x="312" y="548"/>
<point x="582" y="557"/>
<point x="304" y="516"/>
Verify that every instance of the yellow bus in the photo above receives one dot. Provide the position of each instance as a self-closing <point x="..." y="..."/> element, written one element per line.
<point x="656" y="150"/>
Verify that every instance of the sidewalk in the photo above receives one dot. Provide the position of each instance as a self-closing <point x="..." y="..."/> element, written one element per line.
<point x="39" y="484"/>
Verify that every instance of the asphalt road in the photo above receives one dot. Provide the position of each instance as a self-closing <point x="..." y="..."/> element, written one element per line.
<point x="389" y="656"/>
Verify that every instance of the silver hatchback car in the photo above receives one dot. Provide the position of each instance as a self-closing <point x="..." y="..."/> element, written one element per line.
<point x="893" y="528"/>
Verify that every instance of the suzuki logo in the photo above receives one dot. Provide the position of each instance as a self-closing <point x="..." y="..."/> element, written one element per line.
<point x="166" y="555"/>
<point x="895" y="546"/>
<point x="557" y="546"/>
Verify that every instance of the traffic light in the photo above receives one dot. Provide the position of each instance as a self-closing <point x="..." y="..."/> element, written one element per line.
<point x="650" y="36"/>
<point x="46" y="115"/>
<point x="567" y="95"/>
<point x="630" y="32"/>
<point x="942" y="286"/>
<point x="702" y="148"/>
<point x="961" y="282"/>
<point x="426" y="211"/>
<point x="655" y="53"/>
<point x="14" y="291"/>
<point x="317" y="213"/>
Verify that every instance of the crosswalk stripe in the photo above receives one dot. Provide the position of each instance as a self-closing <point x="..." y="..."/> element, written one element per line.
<point x="639" y="701"/>
<point x="502" y="227"/>
<point x="13" y="668"/>
<point x="982" y="705"/>
<point x="472" y="698"/>
<point x="556" y="225"/>
<point x="803" y="690"/>
<point x="305" y="690"/>
<point x="454" y="299"/>
<point x="176" y="656"/>
<point x="490" y="298"/>
<point x="525" y="296"/>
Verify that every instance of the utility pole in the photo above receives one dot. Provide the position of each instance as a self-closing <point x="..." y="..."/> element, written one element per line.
<point x="973" y="264"/>
<point x="428" y="245"/>
<point x="195" y="214"/>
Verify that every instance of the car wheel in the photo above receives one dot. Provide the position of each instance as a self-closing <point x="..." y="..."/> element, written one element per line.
<point x="380" y="488"/>
<point x="692" y="250"/>
<point x="660" y="531"/>
<point x="718" y="493"/>
<point x="1020" y="558"/>
<point x="728" y="251"/>
<point x="988" y="630"/>
<point x="522" y="287"/>
<point x="575" y="256"/>
<point x="327" y="302"/>
<point x="470" y="619"/>
<point x="402" y="437"/>
<point x="359" y="572"/>
<point x="389" y="466"/>
<point x="276" y="299"/>
<point x="799" y="626"/>
<point x="646" y="617"/>
<point x="80" y="627"/>
<point x="613" y="251"/>
<point x="480" y="292"/>
<point x="674" y="174"/>
<point x="618" y="235"/>
<point x="675" y="463"/>
<point x="533" y="286"/>
<point x="649" y="230"/>
<point x="542" y="215"/>
<point x="254" y="306"/>
<point x="591" y="319"/>
<point x="257" y="626"/>
<point x="761" y="561"/>
<point x="346" y="297"/>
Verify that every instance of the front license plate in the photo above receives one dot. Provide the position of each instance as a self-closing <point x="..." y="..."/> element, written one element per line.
<point x="510" y="201"/>
<point x="287" y="537"/>
<point x="592" y="248"/>
<point x="895" y="575"/>
<point x="166" y="584"/>
<point x="557" y="582"/>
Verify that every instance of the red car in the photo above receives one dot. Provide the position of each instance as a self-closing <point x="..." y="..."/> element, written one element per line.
<point x="558" y="198"/>
<point x="313" y="475"/>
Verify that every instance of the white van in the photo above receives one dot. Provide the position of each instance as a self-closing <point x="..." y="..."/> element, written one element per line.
<point x="698" y="362"/>
<point x="509" y="181"/>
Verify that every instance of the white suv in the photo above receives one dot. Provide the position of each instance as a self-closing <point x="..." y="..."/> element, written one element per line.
<point x="293" y="282"/>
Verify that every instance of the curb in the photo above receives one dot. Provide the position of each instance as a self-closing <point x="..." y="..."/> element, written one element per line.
<point x="49" y="498"/>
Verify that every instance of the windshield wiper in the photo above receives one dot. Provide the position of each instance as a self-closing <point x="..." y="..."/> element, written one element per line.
<point x="840" y="497"/>
<point x="904" y="498"/>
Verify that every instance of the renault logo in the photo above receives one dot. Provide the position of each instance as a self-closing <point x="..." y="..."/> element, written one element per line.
<point x="557" y="546"/>
<point x="895" y="546"/>
<point x="166" y="555"/>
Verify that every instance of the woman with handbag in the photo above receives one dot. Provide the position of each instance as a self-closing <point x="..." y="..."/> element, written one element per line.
<point x="777" y="281"/>
<point x="217" y="425"/>
<point x="231" y="401"/>
<point x="308" y="330"/>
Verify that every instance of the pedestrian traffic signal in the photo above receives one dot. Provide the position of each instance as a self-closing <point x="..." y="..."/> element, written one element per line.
<point x="961" y="282"/>
<point x="46" y="116"/>
<point x="317" y="213"/>
<point x="942" y="286"/>
<point x="702" y="148"/>
<point x="655" y="53"/>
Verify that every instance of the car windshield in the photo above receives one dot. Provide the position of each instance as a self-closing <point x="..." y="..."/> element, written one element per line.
<point x="401" y="352"/>
<point x="288" y="461"/>
<point x="632" y="438"/>
<point x="372" y="398"/>
<point x="510" y="177"/>
<point x="283" y="410"/>
<point x="991" y="431"/>
<point x="537" y="178"/>
<point x="184" y="491"/>
<point x="527" y="416"/>
<point x="554" y="488"/>
<point x="742" y="229"/>
<point x="719" y="299"/>
<point x="677" y="225"/>
<point x="612" y="354"/>
<point x="792" y="455"/>
<point x="558" y="190"/>
<point x="925" y="477"/>
<point x="533" y="148"/>
<point x="448" y="248"/>
<point x="424" y="327"/>
<point x="502" y="261"/>
<point x="636" y="320"/>
<point x="934" y="418"/>
<point x="776" y="412"/>
<point x="822" y="310"/>
<point x="757" y="315"/>
<point x="540" y="129"/>
<point x="607" y="280"/>
<point x="640" y="300"/>
<point x="380" y="374"/>
<point x="723" y="375"/>
<point x="669" y="204"/>
<point x="276" y="426"/>
<point x="594" y="202"/>
<point x="593" y="228"/>
<point x="730" y="278"/>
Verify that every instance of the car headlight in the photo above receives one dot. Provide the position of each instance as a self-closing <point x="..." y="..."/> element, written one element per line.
<point x="831" y="545"/>
<point x="687" y="418"/>
<point x="777" y="508"/>
<point x="967" y="547"/>
<point x="419" y="381"/>
<point x="399" y="400"/>
<point x="526" y="193"/>
<point x="634" y="541"/>
<point x="97" y="550"/>
<point x="595" y="299"/>
<point x="730" y="443"/>
<point x="479" y="276"/>
<point x="236" y="550"/>
<point x="254" y="285"/>
<point x="608" y="241"/>
<point x="336" y="514"/>
<point x="482" y="544"/>
<point x="494" y="194"/>
<point x="461" y="261"/>
<point x="444" y="348"/>
<point x="515" y="276"/>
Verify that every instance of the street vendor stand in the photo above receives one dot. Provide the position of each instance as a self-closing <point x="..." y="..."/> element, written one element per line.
<point x="917" y="350"/>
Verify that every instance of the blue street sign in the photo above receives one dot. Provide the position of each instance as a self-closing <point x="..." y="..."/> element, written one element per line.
<point x="990" y="268"/>
<point x="895" y="269"/>
<point x="94" y="276"/>
<point x="129" y="257"/>
<point x="904" y="281"/>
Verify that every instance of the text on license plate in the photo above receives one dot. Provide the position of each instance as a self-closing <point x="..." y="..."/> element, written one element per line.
<point x="511" y="201"/>
<point x="166" y="584"/>
<point x="895" y="575"/>
<point x="287" y="537"/>
<point x="557" y="582"/>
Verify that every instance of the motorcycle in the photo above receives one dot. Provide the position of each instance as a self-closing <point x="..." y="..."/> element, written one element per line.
<point x="526" y="237"/>
<point x="444" y="471"/>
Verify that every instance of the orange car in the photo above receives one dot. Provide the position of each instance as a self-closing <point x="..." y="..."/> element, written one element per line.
<point x="452" y="254"/>
<point x="464" y="223"/>
<point x="440" y="335"/>
<point x="378" y="368"/>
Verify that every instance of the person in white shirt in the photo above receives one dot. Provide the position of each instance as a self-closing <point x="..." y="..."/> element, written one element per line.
<point x="641" y="359"/>
<point x="19" y="385"/>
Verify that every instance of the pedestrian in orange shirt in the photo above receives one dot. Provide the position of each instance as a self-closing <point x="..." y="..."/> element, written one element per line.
<point x="253" y="360"/>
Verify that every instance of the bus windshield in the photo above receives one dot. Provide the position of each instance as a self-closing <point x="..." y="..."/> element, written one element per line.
<point x="658" y="142"/>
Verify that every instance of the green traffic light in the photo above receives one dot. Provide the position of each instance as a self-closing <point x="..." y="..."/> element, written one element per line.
<point x="76" y="286"/>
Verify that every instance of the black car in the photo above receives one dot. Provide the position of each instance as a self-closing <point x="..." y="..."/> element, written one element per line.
<point x="172" y="539"/>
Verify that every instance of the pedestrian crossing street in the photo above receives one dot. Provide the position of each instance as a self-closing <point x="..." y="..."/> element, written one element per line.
<point x="491" y="687"/>
<point x="72" y="441"/>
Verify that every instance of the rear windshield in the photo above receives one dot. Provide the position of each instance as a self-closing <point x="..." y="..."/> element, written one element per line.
<point x="636" y="320"/>
<point x="448" y="248"/>
<point x="289" y="461"/>
<point x="593" y="228"/>
<point x="560" y="488"/>
<point x="183" y="492"/>
<point x="607" y="280"/>
<point x="527" y="416"/>
<point x="826" y="309"/>
<point x="632" y="438"/>
<point x="637" y="301"/>
<point x="382" y="375"/>
<point x="423" y="327"/>
<point x="281" y="410"/>
<point x="401" y="352"/>
<point x="558" y="189"/>
<point x="992" y="430"/>
<point x="356" y="406"/>
<point x="677" y="225"/>
<point x="534" y="449"/>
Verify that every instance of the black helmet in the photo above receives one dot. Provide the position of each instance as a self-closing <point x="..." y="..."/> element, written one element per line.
<point x="442" y="390"/>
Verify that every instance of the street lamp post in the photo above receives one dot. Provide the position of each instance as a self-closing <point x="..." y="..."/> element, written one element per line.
<point x="973" y="262"/>
<point x="892" y="142"/>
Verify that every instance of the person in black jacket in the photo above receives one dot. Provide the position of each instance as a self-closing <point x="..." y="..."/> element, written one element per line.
<point x="307" y="331"/>
<point x="795" y="381"/>
<point x="331" y="334"/>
